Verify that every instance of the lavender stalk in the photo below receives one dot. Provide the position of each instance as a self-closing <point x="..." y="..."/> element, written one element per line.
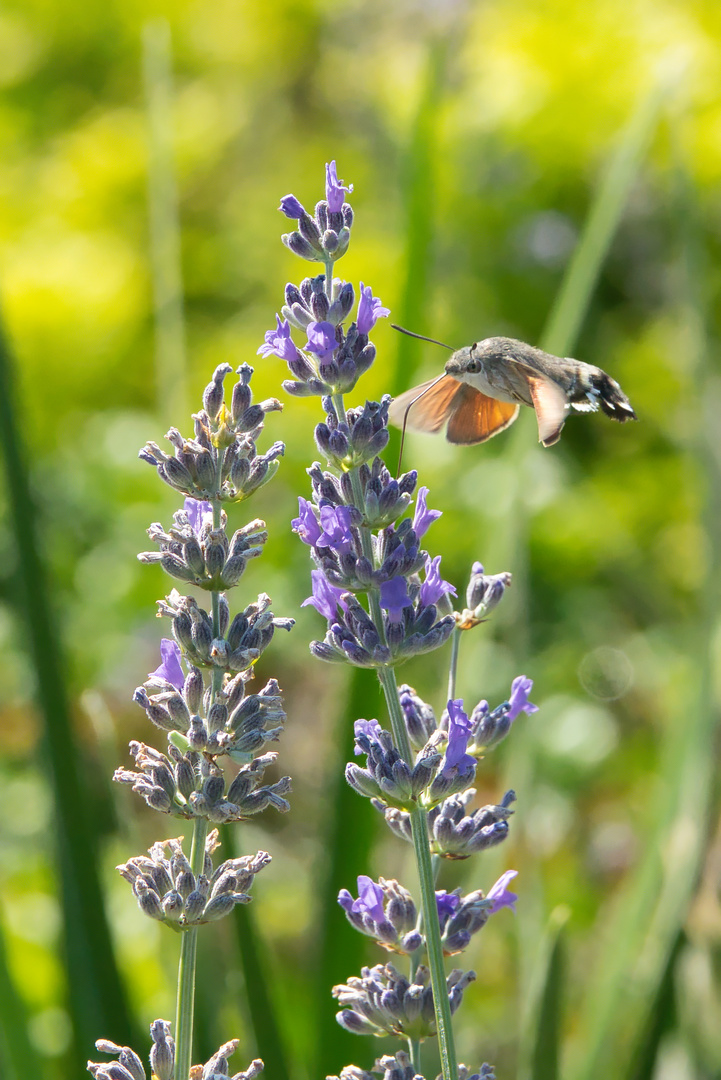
<point x="198" y="698"/>
<point x="418" y="774"/>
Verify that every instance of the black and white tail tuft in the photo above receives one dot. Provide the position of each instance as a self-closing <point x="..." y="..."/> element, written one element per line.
<point x="611" y="398"/>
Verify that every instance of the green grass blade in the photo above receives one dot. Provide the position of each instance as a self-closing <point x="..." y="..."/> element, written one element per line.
<point x="539" y="1052"/>
<point x="170" y="363"/>
<point x="569" y="309"/>
<point x="259" y="1002"/>
<point x="97" y="998"/>
<point x="18" y="1058"/>
<point x="419" y="193"/>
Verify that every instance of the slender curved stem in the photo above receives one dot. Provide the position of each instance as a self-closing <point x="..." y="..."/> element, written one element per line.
<point x="185" y="1006"/>
<point x="453" y="666"/>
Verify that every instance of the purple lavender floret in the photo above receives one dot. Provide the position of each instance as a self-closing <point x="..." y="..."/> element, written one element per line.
<point x="321" y="339"/>
<point x="170" y="668"/>
<point x="336" y="525"/>
<point x="196" y="511"/>
<point x="278" y="342"/>
<point x="434" y="587"/>
<point x="423" y="518"/>
<point x="370" y="899"/>
<point x="500" y="895"/>
<point x="370" y="309"/>
<point x="335" y="190"/>
<point x="447" y="903"/>
<point x="394" y="597"/>
<point x="457" y="761"/>
<point x="367" y="732"/>
<point x="518" y="701"/>
<point x="326" y="597"/>
<point x="291" y="207"/>
<point x="306" y="524"/>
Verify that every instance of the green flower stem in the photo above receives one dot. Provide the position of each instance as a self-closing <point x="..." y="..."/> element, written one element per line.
<point x="185" y="1005"/>
<point x="453" y="666"/>
<point x="426" y="876"/>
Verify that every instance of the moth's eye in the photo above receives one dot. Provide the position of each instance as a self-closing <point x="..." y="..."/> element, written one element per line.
<point x="474" y="366"/>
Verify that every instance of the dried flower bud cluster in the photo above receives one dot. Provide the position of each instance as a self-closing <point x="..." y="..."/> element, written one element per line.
<point x="191" y="785"/>
<point x="385" y="1002"/>
<point x="221" y="462"/>
<point x="387" y="912"/>
<point x="205" y="556"/>
<point x="399" y="1067"/>
<point x="454" y="832"/>
<point x="167" y="889"/>
<point x="357" y="439"/>
<point x="484" y="592"/>
<point x="162" y="1060"/>
<point x="232" y="646"/>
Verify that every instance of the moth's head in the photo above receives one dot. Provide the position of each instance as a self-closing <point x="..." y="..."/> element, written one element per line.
<point x="472" y="359"/>
<point x="463" y="362"/>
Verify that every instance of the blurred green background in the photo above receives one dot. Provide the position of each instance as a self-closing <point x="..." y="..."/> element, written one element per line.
<point x="485" y="142"/>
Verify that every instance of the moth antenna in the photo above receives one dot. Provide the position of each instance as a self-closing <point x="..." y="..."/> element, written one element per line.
<point x="410" y="405"/>
<point x="422" y="337"/>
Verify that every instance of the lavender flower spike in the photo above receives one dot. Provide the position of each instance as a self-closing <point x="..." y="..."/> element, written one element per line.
<point x="278" y="342"/>
<point x="170" y="668"/>
<point x="500" y="895"/>
<point x="370" y="310"/>
<point x="334" y="188"/>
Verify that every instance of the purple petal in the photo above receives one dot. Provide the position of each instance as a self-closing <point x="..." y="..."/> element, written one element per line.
<point x="459" y="732"/>
<point x="370" y="728"/>
<point x="170" y="668"/>
<point x="500" y="895"/>
<point x="394" y="597"/>
<point x="196" y="511"/>
<point x="336" y="524"/>
<point x="370" y="899"/>
<point x="326" y="597"/>
<point x="370" y="310"/>
<point x="278" y="342"/>
<point x="434" y="587"/>
<point x="290" y="206"/>
<point x="334" y="188"/>
<point x="520" y="689"/>
<point x="306" y="524"/>
<point x="423" y="518"/>
<point x="447" y="903"/>
<point x="321" y="339"/>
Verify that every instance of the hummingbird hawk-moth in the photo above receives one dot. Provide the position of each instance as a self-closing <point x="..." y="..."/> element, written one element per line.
<point x="484" y="385"/>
